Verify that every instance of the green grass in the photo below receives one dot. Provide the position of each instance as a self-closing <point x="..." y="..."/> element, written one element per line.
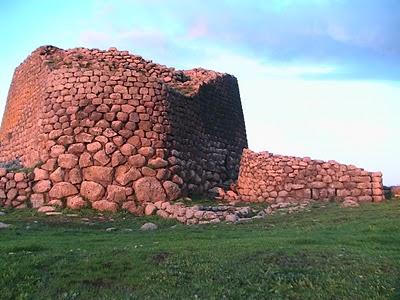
<point x="326" y="253"/>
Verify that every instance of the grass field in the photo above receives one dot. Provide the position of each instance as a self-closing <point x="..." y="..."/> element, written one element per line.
<point x="325" y="253"/>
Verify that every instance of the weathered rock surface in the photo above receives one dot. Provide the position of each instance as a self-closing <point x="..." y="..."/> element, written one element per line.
<point x="149" y="189"/>
<point x="148" y="227"/>
<point x="4" y="225"/>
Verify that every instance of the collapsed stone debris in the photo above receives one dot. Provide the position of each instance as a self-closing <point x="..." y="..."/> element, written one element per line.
<point x="111" y="130"/>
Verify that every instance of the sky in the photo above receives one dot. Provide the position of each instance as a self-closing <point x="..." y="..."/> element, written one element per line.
<point x="318" y="78"/>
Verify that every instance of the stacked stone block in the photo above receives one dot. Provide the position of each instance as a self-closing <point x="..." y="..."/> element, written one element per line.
<point x="276" y="178"/>
<point x="15" y="189"/>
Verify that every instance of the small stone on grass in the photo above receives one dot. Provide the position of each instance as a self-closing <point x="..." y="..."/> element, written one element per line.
<point x="148" y="226"/>
<point x="4" y="225"/>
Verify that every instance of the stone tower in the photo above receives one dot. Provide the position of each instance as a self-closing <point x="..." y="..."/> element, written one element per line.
<point x="110" y="130"/>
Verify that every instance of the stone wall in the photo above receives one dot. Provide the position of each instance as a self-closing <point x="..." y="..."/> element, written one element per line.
<point x="113" y="130"/>
<point x="276" y="178"/>
<point x="15" y="189"/>
<point x="21" y="127"/>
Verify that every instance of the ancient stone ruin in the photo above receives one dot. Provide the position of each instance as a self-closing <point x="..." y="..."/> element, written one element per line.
<point x="111" y="130"/>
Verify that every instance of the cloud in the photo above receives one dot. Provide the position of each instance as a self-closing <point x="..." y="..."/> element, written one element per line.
<point x="352" y="35"/>
<point x="198" y="29"/>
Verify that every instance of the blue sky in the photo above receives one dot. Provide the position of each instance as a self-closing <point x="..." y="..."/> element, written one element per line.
<point x="317" y="78"/>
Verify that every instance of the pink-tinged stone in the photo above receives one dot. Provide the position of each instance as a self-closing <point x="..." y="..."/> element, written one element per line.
<point x="21" y="185"/>
<point x="120" y="89"/>
<point x="92" y="191"/>
<point x="127" y="108"/>
<point x="117" y="159"/>
<point x="176" y="179"/>
<point x="83" y="138"/>
<point x="62" y="189"/>
<point x="318" y="185"/>
<point x="377" y="185"/>
<point x="40" y="174"/>
<point x="110" y="147"/>
<point x="189" y="213"/>
<point x="75" y="176"/>
<point x="55" y="202"/>
<point x="365" y="198"/>
<point x="93" y="147"/>
<point x="364" y="185"/>
<point x="57" y="175"/>
<point x="98" y="174"/>
<point x="85" y="160"/>
<point x="288" y="169"/>
<point x="76" y="148"/>
<point x="157" y="163"/>
<point x="377" y="192"/>
<point x="158" y="204"/>
<point x="150" y="209"/>
<point x="132" y="208"/>
<point x="336" y="185"/>
<point x="42" y="186"/>
<point x="283" y="194"/>
<point x="146" y="152"/>
<point x="127" y="149"/>
<point x="343" y="193"/>
<point x="18" y="177"/>
<point x="104" y="205"/>
<point x="361" y="179"/>
<point x="65" y="140"/>
<point x="231" y="195"/>
<point x="76" y="202"/>
<point x="344" y="178"/>
<point x="125" y="175"/>
<point x="163" y="174"/>
<point x="50" y="164"/>
<point x="67" y="161"/>
<point x="56" y="150"/>
<point x="137" y="160"/>
<point x="378" y="198"/>
<point x="12" y="194"/>
<point x="172" y="190"/>
<point x="116" y="193"/>
<point x="101" y="157"/>
<point x="37" y="200"/>
<point x="327" y="179"/>
<point x="45" y="209"/>
<point x="355" y="192"/>
<point x="3" y="172"/>
<point x="109" y="133"/>
<point x="163" y="214"/>
<point x="149" y="189"/>
<point x="349" y="203"/>
<point x="232" y="218"/>
<point x="146" y="171"/>
<point x="135" y="141"/>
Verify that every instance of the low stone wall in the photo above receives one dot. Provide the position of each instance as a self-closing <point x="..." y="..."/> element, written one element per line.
<point x="15" y="189"/>
<point x="276" y="178"/>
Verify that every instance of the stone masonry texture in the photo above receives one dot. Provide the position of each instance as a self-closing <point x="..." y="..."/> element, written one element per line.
<point x="276" y="178"/>
<point x="111" y="130"/>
